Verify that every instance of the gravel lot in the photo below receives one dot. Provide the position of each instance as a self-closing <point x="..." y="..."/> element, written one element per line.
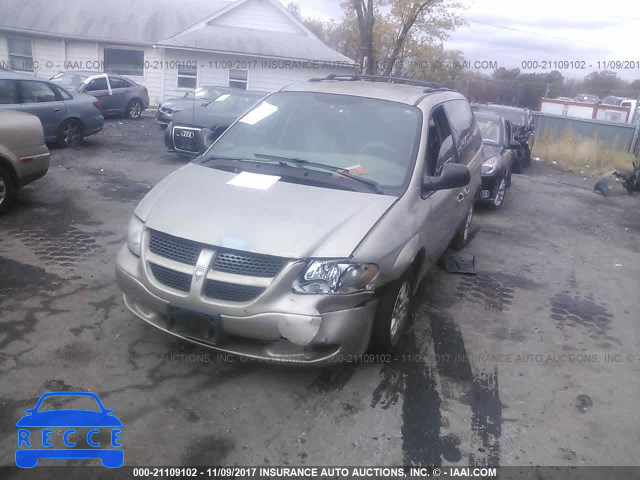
<point x="514" y="366"/>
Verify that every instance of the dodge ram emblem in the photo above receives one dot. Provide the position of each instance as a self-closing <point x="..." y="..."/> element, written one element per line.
<point x="199" y="274"/>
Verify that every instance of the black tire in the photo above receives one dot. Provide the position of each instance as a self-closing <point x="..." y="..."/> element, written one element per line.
<point x="498" y="197"/>
<point x="461" y="238"/>
<point x="517" y="165"/>
<point x="7" y="189"/>
<point x="134" y="109"/>
<point x="526" y="157"/>
<point x="391" y="317"/>
<point x="70" y="133"/>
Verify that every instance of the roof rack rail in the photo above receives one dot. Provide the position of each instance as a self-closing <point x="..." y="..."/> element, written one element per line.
<point x="382" y="78"/>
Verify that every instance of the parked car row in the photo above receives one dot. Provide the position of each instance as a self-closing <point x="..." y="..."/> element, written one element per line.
<point x="523" y="130"/>
<point x="64" y="110"/>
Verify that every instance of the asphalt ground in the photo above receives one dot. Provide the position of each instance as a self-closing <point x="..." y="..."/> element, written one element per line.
<point x="533" y="361"/>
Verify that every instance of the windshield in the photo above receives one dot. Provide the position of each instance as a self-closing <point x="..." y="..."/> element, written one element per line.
<point x="202" y="92"/>
<point x="490" y="130"/>
<point x="233" y="103"/>
<point x="369" y="138"/>
<point x="69" y="80"/>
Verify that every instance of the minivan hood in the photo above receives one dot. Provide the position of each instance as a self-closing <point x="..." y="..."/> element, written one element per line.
<point x="286" y="220"/>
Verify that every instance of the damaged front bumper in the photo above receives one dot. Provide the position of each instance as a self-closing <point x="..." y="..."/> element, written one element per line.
<point x="278" y="326"/>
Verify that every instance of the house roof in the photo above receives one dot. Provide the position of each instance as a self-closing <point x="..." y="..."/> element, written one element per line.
<point x="167" y="23"/>
<point x="223" y="39"/>
<point x="134" y="21"/>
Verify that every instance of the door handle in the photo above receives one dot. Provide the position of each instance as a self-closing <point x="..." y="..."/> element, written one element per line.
<point x="461" y="197"/>
<point x="56" y="109"/>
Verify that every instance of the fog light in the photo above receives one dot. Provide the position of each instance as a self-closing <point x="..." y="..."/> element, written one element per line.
<point x="485" y="194"/>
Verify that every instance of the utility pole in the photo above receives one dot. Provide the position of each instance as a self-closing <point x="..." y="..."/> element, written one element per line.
<point x="466" y="90"/>
<point x="546" y="92"/>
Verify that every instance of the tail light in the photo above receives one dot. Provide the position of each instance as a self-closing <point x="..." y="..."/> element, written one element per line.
<point x="97" y="104"/>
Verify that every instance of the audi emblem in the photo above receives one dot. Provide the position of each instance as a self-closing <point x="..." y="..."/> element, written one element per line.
<point x="187" y="134"/>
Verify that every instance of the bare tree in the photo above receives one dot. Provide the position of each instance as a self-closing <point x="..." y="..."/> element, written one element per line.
<point x="366" y="19"/>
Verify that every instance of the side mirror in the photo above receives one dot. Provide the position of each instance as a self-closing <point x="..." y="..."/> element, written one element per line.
<point x="453" y="175"/>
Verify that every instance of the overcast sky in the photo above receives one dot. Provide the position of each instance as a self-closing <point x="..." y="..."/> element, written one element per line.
<point x="511" y="32"/>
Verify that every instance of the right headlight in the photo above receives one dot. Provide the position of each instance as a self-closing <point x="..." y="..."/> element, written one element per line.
<point x="490" y="165"/>
<point x="134" y="235"/>
<point x="337" y="277"/>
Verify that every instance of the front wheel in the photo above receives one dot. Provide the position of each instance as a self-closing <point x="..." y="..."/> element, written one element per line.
<point x="498" y="198"/>
<point x="7" y="190"/>
<point x="392" y="315"/>
<point x="461" y="237"/>
<point x="134" y="109"/>
<point x="70" y="134"/>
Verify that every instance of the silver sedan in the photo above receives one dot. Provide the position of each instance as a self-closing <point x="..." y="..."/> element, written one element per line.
<point x="66" y="118"/>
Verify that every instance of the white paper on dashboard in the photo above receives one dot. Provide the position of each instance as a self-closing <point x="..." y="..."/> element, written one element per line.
<point x="261" y="112"/>
<point x="253" y="180"/>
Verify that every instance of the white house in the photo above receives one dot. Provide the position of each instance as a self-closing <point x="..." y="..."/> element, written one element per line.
<point x="170" y="46"/>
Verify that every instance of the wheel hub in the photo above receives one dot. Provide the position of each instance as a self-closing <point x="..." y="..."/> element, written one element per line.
<point x="400" y="312"/>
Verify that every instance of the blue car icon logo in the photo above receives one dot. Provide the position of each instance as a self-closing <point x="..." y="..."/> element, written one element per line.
<point x="43" y="430"/>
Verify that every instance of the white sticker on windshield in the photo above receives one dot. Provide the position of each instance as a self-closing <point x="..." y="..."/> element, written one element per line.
<point x="261" y="112"/>
<point x="253" y="180"/>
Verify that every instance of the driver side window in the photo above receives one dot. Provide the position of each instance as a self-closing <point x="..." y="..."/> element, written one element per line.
<point x="440" y="147"/>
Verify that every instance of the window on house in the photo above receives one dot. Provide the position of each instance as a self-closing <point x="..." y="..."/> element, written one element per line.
<point x="188" y="77"/>
<point x="20" y="54"/>
<point x="124" y="62"/>
<point x="238" y="79"/>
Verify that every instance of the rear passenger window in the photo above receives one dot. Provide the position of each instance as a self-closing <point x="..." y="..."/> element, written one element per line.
<point x="118" y="83"/>
<point x="37" y="92"/>
<point x="97" y="84"/>
<point x="465" y="131"/>
<point x="8" y="92"/>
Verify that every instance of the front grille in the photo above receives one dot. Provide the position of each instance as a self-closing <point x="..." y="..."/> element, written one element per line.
<point x="188" y="144"/>
<point x="231" y="292"/>
<point x="247" y="264"/>
<point x="171" y="278"/>
<point x="174" y="248"/>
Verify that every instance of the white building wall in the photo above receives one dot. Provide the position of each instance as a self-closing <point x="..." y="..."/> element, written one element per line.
<point x="83" y="55"/>
<point x="263" y="74"/>
<point x="4" y="50"/>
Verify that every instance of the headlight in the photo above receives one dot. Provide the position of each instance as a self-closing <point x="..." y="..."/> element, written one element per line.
<point x="336" y="276"/>
<point x="489" y="166"/>
<point x="134" y="235"/>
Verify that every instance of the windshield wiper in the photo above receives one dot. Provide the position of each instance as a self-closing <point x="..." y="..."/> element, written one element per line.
<point x="287" y="161"/>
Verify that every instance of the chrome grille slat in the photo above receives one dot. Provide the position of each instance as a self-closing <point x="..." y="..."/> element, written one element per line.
<point x="231" y="292"/>
<point x="171" y="278"/>
<point x="174" y="248"/>
<point x="247" y="264"/>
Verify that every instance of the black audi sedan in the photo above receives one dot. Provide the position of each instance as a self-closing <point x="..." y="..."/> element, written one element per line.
<point x="192" y="131"/>
<point x="499" y="152"/>
<point x="199" y="97"/>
